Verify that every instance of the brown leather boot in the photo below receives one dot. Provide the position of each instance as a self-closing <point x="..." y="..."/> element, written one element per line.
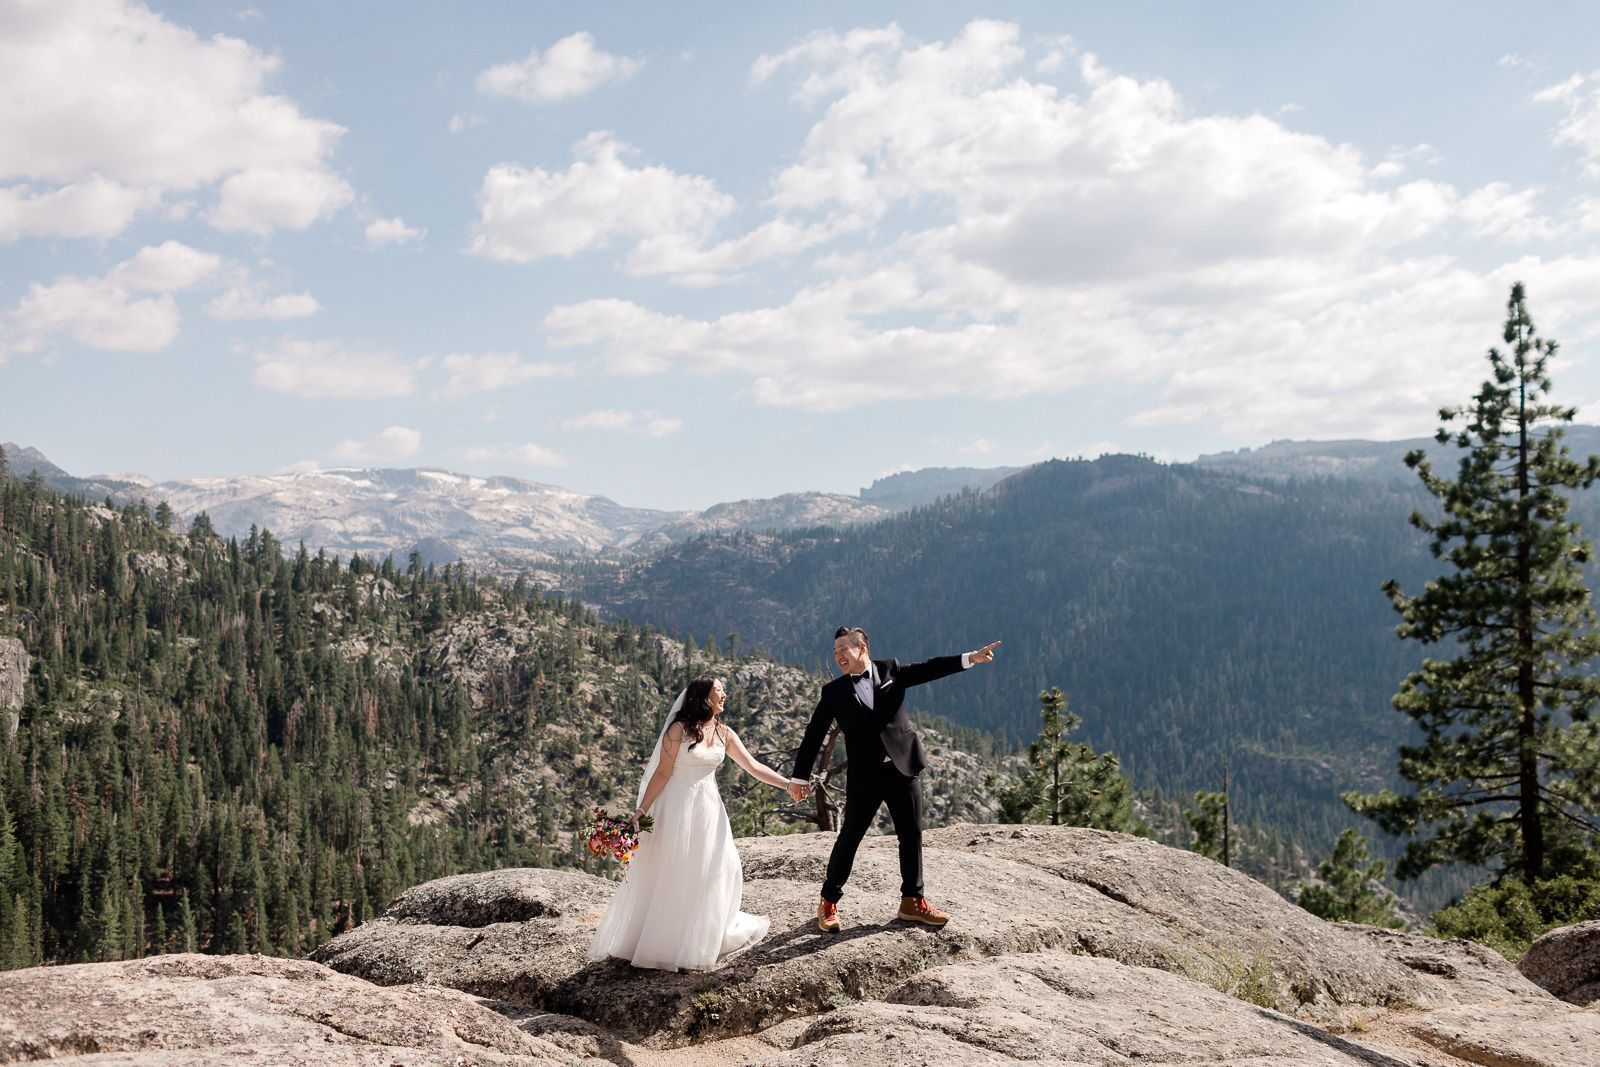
<point x="828" y="917"/>
<point x="918" y="910"/>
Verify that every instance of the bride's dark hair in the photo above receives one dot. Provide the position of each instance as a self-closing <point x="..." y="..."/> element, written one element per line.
<point x="696" y="710"/>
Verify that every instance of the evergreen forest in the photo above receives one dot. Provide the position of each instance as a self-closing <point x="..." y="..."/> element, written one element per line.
<point x="225" y="747"/>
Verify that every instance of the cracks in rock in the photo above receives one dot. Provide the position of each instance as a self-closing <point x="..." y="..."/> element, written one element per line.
<point x="327" y="1019"/>
<point x="1108" y="891"/>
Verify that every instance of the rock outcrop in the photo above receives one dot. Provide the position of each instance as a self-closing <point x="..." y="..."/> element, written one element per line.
<point x="1068" y="946"/>
<point x="194" y="1010"/>
<point x="1016" y="891"/>
<point x="1566" y="962"/>
<point x="13" y="677"/>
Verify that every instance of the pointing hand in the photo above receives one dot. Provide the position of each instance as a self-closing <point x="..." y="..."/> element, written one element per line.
<point x="985" y="654"/>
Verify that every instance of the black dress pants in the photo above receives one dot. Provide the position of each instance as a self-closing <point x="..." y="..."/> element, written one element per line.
<point x="869" y="789"/>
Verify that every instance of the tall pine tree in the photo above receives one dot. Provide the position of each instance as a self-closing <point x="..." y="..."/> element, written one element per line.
<point x="1500" y="774"/>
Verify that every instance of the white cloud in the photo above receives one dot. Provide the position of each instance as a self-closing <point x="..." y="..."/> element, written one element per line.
<point x="92" y="312"/>
<point x="1580" y="128"/>
<point x="264" y="199"/>
<point x="1400" y="160"/>
<point x="111" y="108"/>
<point x="980" y="446"/>
<point x="389" y="445"/>
<point x="994" y="236"/>
<point x="531" y="213"/>
<point x="571" y="67"/>
<point x="165" y="268"/>
<point x="530" y="455"/>
<point x="247" y="301"/>
<point x="103" y="312"/>
<point x="1496" y="210"/>
<point x="392" y="232"/>
<point x="1058" y="53"/>
<point x="493" y="370"/>
<point x="684" y="256"/>
<point x="330" y="370"/>
<point x="1586" y="213"/>
<point x="1036" y="183"/>
<point x="461" y="122"/>
<point x="93" y="207"/>
<point x="638" y="423"/>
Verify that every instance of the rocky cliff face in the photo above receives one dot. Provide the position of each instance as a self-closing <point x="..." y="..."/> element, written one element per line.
<point x="1068" y="946"/>
<point x="13" y="677"/>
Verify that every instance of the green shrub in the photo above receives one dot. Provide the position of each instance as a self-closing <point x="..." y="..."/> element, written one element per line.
<point x="1509" y="914"/>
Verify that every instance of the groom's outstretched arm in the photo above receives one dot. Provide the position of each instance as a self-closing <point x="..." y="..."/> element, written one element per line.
<point x="928" y="670"/>
<point x="816" y="732"/>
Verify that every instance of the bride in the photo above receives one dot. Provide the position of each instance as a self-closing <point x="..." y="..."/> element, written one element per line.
<point x="678" y="907"/>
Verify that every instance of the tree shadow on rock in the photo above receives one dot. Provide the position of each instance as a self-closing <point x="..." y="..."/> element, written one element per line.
<point x="1348" y="1048"/>
<point x="687" y="1007"/>
<point x="577" y="1036"/>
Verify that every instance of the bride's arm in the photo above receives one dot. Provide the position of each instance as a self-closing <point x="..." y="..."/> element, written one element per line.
<point x="759" y="771"/>
<point x="669" y="756"/>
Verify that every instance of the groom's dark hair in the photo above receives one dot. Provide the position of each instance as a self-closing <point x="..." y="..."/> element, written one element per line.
<point x="855" y="630"/>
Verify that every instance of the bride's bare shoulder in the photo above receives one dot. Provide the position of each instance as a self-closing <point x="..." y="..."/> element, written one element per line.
<point x="675" y="732"/>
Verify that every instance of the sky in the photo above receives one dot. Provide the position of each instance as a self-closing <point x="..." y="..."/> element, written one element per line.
<point x="680" y="254"/>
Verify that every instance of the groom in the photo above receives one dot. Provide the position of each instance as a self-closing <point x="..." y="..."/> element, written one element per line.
<point x="885" y="758"/>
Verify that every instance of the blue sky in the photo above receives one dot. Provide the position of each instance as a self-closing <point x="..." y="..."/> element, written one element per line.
<point x="682" y="254"/>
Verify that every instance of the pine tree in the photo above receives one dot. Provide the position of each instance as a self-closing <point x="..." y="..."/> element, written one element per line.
<point x="1067" y="782"/>
<point x="1505" y="770"/>
<point x="1206" y="820"/>
<point x="1351" y="887"/>
<point x="20" y="937"/>
<point x="189" y="930"/>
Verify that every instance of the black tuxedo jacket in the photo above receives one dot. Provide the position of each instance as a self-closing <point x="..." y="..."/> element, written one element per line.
<point x="882" y="730"/>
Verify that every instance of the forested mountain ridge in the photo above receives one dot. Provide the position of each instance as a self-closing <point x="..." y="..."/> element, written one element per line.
<point x="1195" y="618"/>
<point x="225" y="747"/>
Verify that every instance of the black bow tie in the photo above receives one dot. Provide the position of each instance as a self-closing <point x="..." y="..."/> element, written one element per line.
<point x="858" y="677"/>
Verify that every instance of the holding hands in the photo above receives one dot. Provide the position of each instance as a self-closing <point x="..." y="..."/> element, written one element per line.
<point x="798" y="790"/>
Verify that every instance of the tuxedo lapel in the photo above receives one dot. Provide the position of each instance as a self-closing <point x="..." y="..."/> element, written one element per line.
<point x="855" y="696"/>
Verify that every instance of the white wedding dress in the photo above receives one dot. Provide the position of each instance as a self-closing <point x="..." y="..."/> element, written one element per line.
<point x="678" y="907"/>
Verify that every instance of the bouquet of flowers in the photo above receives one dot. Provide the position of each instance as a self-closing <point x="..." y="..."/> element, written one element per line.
<point x="614" y="836"/>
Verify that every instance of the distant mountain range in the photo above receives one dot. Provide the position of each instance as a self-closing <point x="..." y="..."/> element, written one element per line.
<point x="505" y="524"/>
<point x="498" y="521"/>
<point x="1374" y="462"/>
